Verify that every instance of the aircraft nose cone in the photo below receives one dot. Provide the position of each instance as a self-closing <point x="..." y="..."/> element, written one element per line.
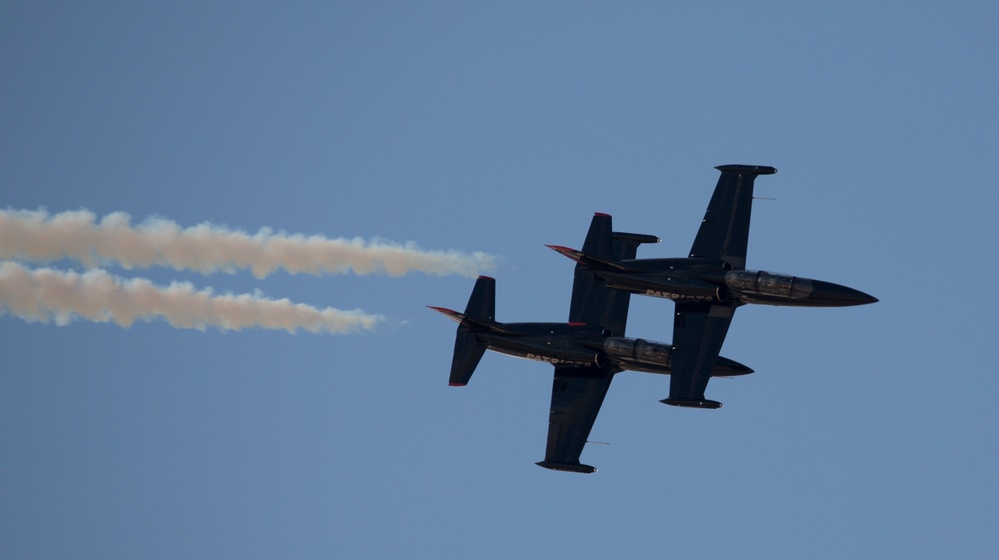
<point x="726" y="367"/>
<point x="865" y="299"/>
<point x="835" y="295"/>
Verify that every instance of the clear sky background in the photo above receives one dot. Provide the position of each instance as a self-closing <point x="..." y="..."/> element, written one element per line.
<point x="865" y="432"/>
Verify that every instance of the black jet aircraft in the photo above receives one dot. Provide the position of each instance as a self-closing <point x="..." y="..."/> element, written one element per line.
<point x="711" y="283"/>
<point x="586" y="352"/>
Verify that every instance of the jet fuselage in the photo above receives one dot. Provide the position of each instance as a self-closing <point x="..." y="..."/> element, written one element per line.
<point x="570" y="344"/>
<point x="700" y="280"/>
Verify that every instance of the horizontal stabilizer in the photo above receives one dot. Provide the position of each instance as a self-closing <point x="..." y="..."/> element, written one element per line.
<point x="586" y="260"/>
<point x="449" y="313"/>
<point x="468" y="350"/>
<point x="567" y="467"/>
<point x="692" y="403"/>
<point x="635" y="237"/>
<point x="470" y="322"/>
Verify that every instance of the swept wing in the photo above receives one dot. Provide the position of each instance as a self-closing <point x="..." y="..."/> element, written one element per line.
<point x="577" y="393"/>
<point x="724" y="232"/>
<point x="699" y="329"/>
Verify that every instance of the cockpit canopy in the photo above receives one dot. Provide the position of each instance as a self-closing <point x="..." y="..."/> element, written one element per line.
<point x="768" y="284"/>
<point x="638" y="350"/>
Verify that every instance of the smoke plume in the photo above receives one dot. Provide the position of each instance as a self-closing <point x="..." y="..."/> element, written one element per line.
<point x="45" y="295"/>
<point x="39" y="237"/>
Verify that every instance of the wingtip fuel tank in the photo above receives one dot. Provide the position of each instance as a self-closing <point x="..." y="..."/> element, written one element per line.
<point x="567" y="467"/>
<point x="692" y="403"/>
<point x="747" y="169"/>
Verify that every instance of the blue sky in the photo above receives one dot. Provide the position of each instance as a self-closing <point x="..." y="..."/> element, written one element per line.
<point x="500" y="127"/>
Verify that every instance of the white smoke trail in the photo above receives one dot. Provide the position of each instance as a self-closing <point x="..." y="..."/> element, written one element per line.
<point x="45" y="294"/>
<point x="37" y="236"/>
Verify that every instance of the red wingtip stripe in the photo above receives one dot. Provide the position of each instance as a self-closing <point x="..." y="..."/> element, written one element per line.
<point x="456" y="384"/>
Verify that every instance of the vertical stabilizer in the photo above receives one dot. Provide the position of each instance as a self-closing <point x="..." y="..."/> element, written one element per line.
<point x="592" y="302"/>
<point x="482" y="302"/>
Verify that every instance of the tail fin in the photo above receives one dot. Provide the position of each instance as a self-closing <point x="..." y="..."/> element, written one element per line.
<point x="592" y="302"/>
<point x="602" y="242"/>
<point x="599" y="238"/>
<point x="479" y="314"/>
<point x="482" y="303"/>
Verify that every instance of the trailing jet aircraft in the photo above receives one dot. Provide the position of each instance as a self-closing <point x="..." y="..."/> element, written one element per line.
<point x="710" y="283"/>
<point x="586" y="352"/>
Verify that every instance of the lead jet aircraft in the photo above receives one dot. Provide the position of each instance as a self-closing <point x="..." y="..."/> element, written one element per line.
<point x="586" y="352"/>
<point x="711" y="283"/>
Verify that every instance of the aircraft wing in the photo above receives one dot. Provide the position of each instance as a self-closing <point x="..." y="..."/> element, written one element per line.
<point x="577" y="393"/>
<point x="724" y="232"/>
<point x="699" y="330"/>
